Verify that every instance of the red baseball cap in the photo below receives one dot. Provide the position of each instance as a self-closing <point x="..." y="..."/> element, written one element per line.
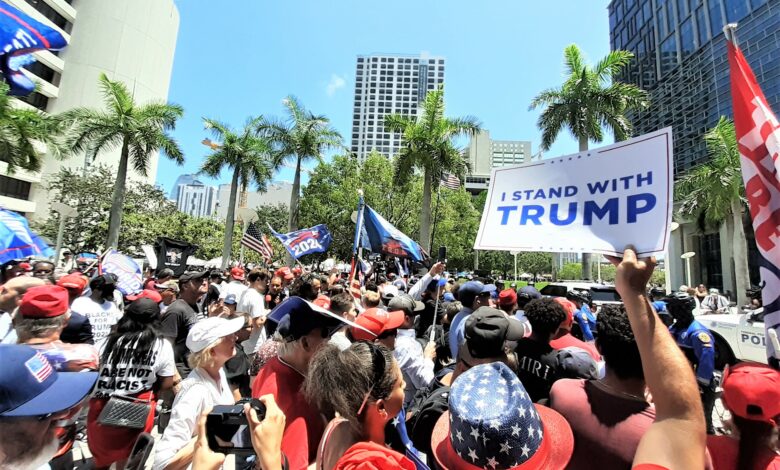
<point x="507" y="297"/>
<point x="26" y="266"/>
<point x="752" y="392"/>
<point x="297" y="271"/>
<point x="75" y="282"/>
<point x="146" y="294"/>
<point x="284" y="273"/>
<point x="569" y="308"/>
<point x="377" y="321"/>
<point x="237" y="273"/>
<point x="44" y="302"/>
<point x="322" y="301"/>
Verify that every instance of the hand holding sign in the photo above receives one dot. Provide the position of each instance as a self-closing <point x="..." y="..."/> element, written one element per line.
<point x="595" y="201"/>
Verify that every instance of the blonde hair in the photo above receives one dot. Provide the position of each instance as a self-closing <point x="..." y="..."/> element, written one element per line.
<point x="204" y="357"/>
<point x="371" y="299"/>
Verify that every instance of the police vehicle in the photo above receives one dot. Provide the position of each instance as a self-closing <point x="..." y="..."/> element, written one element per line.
<point x="737" y="336"/>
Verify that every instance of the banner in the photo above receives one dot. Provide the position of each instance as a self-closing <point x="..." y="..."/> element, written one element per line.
<point x="173" y="254"/>
<point x="758" y="135"/>
<point x="304" y="242"/>
<point x="129" y="273"/>
<point x="383" y="237"/>
<point x="597" y="201"/>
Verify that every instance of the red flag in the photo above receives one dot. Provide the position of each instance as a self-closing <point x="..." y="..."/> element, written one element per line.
<point x="758" y="136"/>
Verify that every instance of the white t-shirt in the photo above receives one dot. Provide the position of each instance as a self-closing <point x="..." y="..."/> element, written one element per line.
<point x="253" y="303"/>
<point x="131" y="378"/>
<point x="101" y="316"/>
<point x="233" y="287"/>
<point x="199" y="392"/>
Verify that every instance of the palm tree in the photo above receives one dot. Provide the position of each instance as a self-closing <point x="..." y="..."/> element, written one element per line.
<point x="428" y="146"/>
<point x="302" y="136"/>
<point x="248" y="155"/>
<point x="139" y="130"/>
<point x="590" y="100"/>
<point x="20" y="128"/>
<point x="713" y="193"/>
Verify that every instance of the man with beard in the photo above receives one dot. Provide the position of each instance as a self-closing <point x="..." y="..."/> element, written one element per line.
<point x="34" y="399"/>
<point x="99" y="307"/>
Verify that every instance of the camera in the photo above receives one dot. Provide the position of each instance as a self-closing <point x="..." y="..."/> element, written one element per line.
<point x="227" y="429"/>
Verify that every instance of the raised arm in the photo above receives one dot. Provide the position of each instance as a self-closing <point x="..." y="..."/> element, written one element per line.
<point x="676" y="440"/>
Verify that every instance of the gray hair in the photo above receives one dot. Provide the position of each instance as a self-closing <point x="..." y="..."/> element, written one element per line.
<point x="28" y="328"/>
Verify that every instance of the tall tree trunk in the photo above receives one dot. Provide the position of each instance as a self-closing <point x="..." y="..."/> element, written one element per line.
<point x="292" y="223"/>
<point x="740" y="253"/>
<point x="115" y="216"/>
<point x="587" y="262"/>
<point x="425" y="213"/>
<point x="231" y="218"/>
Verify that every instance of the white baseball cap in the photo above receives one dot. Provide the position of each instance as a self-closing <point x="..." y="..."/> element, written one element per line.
<point x="208" y="331"/>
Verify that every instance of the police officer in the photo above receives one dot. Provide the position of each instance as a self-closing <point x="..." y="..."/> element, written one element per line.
<point x="697" y="343"/>
<point x="583" y="316"/>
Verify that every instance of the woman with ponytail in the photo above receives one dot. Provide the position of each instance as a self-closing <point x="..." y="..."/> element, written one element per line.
<point x="136" y="362"/>
<point x="364" y="385"/>
<point x="752" y="394"/>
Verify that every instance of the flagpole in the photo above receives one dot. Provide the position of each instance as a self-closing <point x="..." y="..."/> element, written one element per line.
<point x="356" y="240"/>
<point x="435" y="215"/>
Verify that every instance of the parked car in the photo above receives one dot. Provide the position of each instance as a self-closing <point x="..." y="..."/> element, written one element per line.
<point x="600" y="293"/>
<point x="737" y="336"/>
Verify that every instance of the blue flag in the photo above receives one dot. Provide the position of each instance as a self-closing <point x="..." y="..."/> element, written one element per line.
<point x="305" y="242"/>
<point x="127" y="271"/>
<point x="384" y="238"/>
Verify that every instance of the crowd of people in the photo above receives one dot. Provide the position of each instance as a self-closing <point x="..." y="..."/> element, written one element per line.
<point x="412" y="373"/>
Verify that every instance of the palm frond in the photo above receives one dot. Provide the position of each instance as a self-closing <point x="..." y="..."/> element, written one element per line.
<point x="116" y="96"/>
<point x="573" y="59"/>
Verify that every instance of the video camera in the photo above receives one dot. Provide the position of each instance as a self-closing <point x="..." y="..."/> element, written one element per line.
<point x="227" y="429"/>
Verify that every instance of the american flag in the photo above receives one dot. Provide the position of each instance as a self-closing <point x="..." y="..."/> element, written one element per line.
<point x="255" y="240"/>
<point x="448" y="180"/>
<point x="39" y="367"/>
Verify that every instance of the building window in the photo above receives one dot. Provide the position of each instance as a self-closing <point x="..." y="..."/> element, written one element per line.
<point x="687" y="47"/>
<point x="12" y="187"/>
<point x="757" y="3"/>
<point x="668" y="55"/>
<point x="736" y="10"/>
<point x="682" y="8"/>
<point x="52" y="15"/>
<point x="716" y="17"/>
<point x="702" y="27"/>
<point x="36" y="100"/>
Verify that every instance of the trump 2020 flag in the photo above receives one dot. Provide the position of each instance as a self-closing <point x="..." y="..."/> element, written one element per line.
<point x="304" y="242"/>
<point x="127" y="271"/>
<point x="383" y="237"/>
<point x="758" y="135"/>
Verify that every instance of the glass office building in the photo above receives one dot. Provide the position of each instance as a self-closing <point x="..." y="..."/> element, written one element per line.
<point x="681" y="60"/>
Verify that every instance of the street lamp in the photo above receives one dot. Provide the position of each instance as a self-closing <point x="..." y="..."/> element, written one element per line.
<point x="65" y="212"/>
<point x="687" y="257"/>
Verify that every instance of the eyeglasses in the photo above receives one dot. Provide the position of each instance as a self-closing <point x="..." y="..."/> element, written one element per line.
<point x="378" y="366"/>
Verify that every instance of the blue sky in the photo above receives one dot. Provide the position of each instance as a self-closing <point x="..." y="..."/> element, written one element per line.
<point x="236" y="58"/>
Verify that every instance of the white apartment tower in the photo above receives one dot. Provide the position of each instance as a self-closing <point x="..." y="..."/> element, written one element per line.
<point x="389" y="84"/>
<point x="132" y="41"/>
<point x="196" y="199"/>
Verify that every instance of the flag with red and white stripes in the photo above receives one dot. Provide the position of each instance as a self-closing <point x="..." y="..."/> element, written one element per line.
<point x="256" y="240"/>
<point x="448" y="180"/>
<point x="758" y="135"/>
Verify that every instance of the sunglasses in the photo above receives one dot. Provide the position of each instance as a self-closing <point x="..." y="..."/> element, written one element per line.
<point x="378" y="366"/>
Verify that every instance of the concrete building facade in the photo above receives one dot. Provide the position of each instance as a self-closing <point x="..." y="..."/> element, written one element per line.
<point x="484" y="154"/>
<point x="681" y="60"/>
<point x="196" y="199"/>
<point x="389" y="84"/>
<point x="276" y="193"/>
<point x="129" y="41"/>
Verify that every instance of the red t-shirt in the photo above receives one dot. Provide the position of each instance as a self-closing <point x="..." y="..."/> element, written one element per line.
<point x="607" y="427"/>
<point x="724" y="452"/>
<point x="567" y="341"/>
<point x="304" y="424"/>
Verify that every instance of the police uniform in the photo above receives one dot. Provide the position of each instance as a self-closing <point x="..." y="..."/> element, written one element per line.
<point x="696" y="341"/>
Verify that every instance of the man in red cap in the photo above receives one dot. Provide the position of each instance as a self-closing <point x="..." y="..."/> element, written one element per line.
<point x="379" y="326"/>
<point x="79" y="328"/>
<point x="236" y="285"/>
<point x="42" y="315"/>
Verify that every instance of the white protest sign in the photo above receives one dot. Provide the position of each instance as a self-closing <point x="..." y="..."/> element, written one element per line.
<point x="597" y="201"/>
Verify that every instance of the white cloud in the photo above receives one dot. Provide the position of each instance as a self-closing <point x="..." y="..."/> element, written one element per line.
<point x="334" y="84"/>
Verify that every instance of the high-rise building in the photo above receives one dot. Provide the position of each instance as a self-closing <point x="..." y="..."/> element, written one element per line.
<point x="182" y="180"/>
<point x="196" y="199"/>
<point x="389" y="84"/>
<point x="129" y="41"/>
<point x="681" y="60"/>
<point x="484" y="154"/>
<point x="275" y="193"/>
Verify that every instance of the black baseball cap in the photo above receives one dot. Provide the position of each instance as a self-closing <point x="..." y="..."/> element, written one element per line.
<point x="487" y="329"/>
<point x="406" y="303"/>
<point x="192" y="276"/>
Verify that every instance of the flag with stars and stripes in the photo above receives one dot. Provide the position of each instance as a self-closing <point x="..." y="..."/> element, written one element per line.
<point x="448" y="180"/>
<point x="255" y="240"/>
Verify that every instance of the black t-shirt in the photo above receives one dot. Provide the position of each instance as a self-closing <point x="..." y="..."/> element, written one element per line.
<point x="537" y="365"/>
<point x="175" y="325"/>
<point x="237" y="372"/>
<point x="272" y="300"/>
